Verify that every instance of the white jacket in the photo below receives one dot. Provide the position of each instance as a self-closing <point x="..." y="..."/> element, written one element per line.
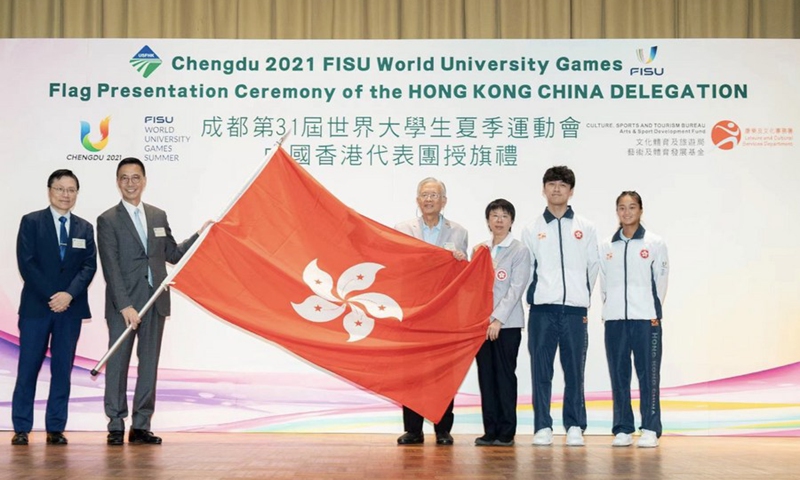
<point x="634" y="276"/>
<point x="564" y="260"/>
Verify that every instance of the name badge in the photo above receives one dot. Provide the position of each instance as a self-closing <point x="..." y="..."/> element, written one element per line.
<point x="79" y="243"/>
<point x="160" y="232"/>
<point x="449" y="246"/>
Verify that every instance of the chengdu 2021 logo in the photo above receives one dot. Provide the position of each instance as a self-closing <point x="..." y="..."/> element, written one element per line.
<point x="86" y="130"/>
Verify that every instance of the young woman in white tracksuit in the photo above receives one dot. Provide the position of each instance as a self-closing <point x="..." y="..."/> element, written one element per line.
<point x="634" y="269"/>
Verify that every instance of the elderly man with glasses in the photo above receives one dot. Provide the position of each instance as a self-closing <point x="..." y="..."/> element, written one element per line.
<point x="433" y="228"/>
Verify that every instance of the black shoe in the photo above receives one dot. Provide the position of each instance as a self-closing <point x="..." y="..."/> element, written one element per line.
<point x="20" y="438"/>
<point x="143" y="437"/>
<point x="115" y="438"/>
<point x="411" y="439"/>
<point x="503" y="443"/>
<point x="56" y="438"/>
<point x="484" y="441"/>
<point x="444" y="438"/>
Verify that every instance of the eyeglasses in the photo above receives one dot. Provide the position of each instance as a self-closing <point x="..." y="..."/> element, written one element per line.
<point x="134" y="179"/>
<point x="62" y="190"/>
<point x="431" y="196"/>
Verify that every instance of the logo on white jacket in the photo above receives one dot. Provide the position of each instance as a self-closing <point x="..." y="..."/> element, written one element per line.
<point x="578" y="234"/>
<point x="644" y="253"/>
<point x="501" y="274"/>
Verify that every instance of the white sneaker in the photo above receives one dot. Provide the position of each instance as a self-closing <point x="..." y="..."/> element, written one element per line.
<point x="622" y="440"/>
<point x="574" y="437"/>
<point x="648" y="439"/>
<point x="543" y="437"/>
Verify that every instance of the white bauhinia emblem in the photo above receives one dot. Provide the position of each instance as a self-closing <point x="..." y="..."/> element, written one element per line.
<point x="328" y="305"/>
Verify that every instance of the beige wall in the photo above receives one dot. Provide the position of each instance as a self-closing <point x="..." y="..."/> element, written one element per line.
<point x="370" y="19"/>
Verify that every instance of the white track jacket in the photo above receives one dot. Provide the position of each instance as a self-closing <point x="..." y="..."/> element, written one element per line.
<point x="564" y="259"/>
<point x="633" y="276"/>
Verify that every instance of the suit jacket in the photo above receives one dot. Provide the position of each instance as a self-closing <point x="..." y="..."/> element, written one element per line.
<point x="451" y="233"/>
<point x="125" y="261"/>
<point x="43" y="271"/>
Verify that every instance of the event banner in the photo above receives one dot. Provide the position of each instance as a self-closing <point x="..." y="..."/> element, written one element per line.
<point x="702" y="129"/>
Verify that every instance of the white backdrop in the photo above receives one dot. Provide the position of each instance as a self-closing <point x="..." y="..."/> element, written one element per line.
<point x="727" y="214"/>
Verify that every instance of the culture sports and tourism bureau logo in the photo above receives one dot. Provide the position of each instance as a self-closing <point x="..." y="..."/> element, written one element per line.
<point x="146" y="61"/>
<point x="86" y="130"/>
<point x="646" y="57"/>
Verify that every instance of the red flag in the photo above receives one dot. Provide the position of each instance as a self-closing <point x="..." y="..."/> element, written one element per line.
<point x="292" y="264"/>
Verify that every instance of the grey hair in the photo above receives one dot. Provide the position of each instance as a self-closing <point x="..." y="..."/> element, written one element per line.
<point x="432" y="180"/>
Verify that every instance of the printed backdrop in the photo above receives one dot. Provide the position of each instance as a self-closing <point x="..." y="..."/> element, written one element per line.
<point x="704" y="130"/>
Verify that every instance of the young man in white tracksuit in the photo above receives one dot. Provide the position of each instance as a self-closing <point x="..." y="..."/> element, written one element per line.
<point x="634" y="269"/>
<point x="564" y="258"/>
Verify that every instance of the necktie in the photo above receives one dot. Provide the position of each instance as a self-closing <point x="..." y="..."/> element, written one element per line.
<point x="143" y="237"/>
<point x="63" y="237"/>
<point x="139" y="229"/>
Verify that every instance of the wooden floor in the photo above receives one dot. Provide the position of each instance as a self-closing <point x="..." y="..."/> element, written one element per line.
<point x="376" y="456"/>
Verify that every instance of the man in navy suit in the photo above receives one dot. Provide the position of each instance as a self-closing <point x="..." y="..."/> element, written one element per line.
<point x="57" y="260"/>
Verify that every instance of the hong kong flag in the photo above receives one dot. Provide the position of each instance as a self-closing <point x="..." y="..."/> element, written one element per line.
<point x="292" y="264"/>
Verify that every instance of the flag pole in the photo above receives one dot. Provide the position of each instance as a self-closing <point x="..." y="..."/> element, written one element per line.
<point x="128" y="330"/>
<point x="177" y="268"/>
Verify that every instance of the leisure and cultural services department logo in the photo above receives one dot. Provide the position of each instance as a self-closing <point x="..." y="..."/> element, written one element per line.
<point x="146" y="61"/>
<point x="726" y="134"/>
<point x="86" y="130"/>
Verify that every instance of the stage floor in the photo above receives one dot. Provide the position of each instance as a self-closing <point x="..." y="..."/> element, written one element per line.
<point x="376" y="456"/>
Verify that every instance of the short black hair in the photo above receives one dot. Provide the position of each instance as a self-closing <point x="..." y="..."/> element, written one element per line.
<point x="131" y="161"/>
<point x="502" y="204"/>
<point x="560" y="173"/>
<point x="63" y="173"/>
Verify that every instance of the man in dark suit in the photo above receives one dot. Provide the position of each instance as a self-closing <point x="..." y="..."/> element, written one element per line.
<point x="432" y="228"/>
<point x="135" y="243"/>
<point x="57" y="260"/>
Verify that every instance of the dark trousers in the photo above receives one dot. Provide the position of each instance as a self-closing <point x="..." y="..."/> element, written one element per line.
<point x="412" y="421"/>
<point x="148" y="351"/>
<point x="61" y="332"/>
<point x="497" y="379"/>
<point x="643" y="339"/>
<point x="567" y="332"/>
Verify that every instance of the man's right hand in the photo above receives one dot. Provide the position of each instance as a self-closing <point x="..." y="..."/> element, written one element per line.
<point x="131" y="317"/>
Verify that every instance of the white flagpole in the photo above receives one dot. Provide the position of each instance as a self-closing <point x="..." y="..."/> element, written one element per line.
<point x="177" y="268"/>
